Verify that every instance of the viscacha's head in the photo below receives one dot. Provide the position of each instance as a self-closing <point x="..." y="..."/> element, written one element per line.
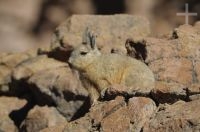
<point x="85" y="54"/>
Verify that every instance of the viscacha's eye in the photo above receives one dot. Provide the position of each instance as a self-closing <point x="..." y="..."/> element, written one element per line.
<point x="83" y="53"/>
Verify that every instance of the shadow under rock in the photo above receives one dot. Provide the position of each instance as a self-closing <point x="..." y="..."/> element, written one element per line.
<point x="82" y="110"/>
<point x="19" y="115"/>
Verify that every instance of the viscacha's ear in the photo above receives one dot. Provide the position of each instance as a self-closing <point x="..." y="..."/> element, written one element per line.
<point x="89" y="39"/>
<point x="85" y="37"/>
<point x="93" y="41"/>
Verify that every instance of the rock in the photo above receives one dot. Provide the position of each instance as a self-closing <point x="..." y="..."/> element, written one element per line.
<point x="194" y="97"/>
<point x="117" y="121"/>
<point x="141" y="110"/>
<point x="61" y="87"/>
<point x="115" y="115"/>
<point x="104" y="109"/>
<point x="8" y="105"/>
<point x="13" y="59"/>
<point x="196" y="71"/>
<point x="165" y="68"/>
<point x="40" y="118"/>
<point x="92" y="120"/>
<point x="28" y="68"/>
<point x="181" y="116"/>
<point x="61" y="54"/>
<point x="178" y="52"/>
<point x="160" y="48"/>
<point x="166" y="92"/>
<point x="130" y="118"/>
<point x="175" y="62"/>
<point x="83" y="124"/>
<point x="136" y="49"/>
<point x="188" y="38"/>
<point x="57" y="128"/>
<point x="125" y="91"/>
<point x="5" y="79"/>
<point x="182" y="43"/>
<point x="110" y="35"/>
<point x="53" y="83"/>
<point x="194" y="91"/>
<point x="8" y="61"/>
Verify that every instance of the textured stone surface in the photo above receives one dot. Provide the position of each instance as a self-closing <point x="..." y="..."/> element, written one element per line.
<point x="8" y="105"/>
<point x="180" y="116"/>
<point x="174" y="61"/>
<point x="57" y="128"/>
<point x="165" y="92"/>
<point x="180" y="53"/>
<point x="110" y="34"/>
<point x="160" y="48"/>
<point x="141" y="110"/>
<point x="8" y="61"/>
<point x="196" y="68"/>
<point x="130" y="118"/>
<point x="164" y="70"/>
<point x="40" y="118"/>
<point x="28" y="68"/>
<point x="117" y="89"/>
<point x="61" y="87"/>
<point x="52" y="82"/>
<point x="188" y="37"/>
<point x="194" y="91"/>
<point x="116" y="115"/>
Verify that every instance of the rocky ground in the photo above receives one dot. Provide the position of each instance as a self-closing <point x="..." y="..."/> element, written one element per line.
<point x="40" y="92"/>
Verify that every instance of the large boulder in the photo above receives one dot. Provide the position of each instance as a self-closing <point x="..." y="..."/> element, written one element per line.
<point x="111" y="31"/>
<point x="53" y="83"/>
